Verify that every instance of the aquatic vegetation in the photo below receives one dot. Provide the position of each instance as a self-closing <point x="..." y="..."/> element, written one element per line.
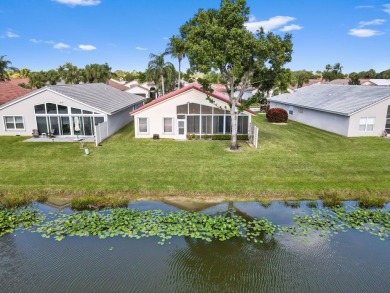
<point x="371" y="202"/>
<point x="14" y="201"/>
<point x="137" y="224"/>
<point x="332" y="221"/>
<point x="292" y="204"/>
<point x="332" y="200"/>
<point x="13" y="219"/>
<point x="312" y="204"/>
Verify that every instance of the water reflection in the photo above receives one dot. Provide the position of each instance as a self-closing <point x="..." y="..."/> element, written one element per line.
<point x="351" y="262"/>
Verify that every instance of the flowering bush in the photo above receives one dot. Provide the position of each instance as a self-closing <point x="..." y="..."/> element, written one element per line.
<point x="277" y="115"/>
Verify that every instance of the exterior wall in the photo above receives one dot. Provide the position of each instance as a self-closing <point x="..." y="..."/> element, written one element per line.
<point x="26" y="109"/>
<point x="120" y="119"/>
<point x="378" y="111"/>
<point x="138" y="91"/>
<point x="326" y="121"/>
<point x="167" y="109"/>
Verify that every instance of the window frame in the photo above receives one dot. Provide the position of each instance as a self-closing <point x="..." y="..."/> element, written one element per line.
<point x="147" y="125"/>
<point x="14" y="122"/>
<point x="172" y="125"/>
<point x="366" y="124"/>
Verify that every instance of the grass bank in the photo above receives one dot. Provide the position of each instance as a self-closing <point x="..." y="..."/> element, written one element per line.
<point x="292" y="161"/>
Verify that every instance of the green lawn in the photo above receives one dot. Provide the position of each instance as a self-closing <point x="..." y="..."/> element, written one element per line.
<point x="291" y="159"/>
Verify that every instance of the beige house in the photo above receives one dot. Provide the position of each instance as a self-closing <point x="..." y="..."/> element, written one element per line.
<point x="187" y="111"/>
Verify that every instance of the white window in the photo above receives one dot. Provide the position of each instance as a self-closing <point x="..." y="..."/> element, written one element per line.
<point x="366" y="124"/>
<point x="291" y="110"/>
<point x="168" y="125"/>
<point x="13" y="122"/>
<point x="143" y="125"/>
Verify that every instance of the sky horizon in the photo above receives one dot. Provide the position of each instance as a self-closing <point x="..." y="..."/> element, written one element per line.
<point x="44" y="34"/>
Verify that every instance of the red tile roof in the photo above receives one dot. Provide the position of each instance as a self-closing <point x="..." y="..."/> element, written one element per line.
<point x="9" y="91"/>
<point x="191" y="86"/>
<point x="117" y="85"/>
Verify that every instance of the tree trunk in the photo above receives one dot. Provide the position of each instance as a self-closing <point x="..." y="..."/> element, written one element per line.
<point x="233" y="115"/>
<point x="179" y="86"/>
<point x="162" y="84"/>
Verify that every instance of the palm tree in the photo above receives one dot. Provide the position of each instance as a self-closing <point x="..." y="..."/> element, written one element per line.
<point x="70" y="73"/>
<point x="37" y="79"/>
<point x="53" y="76"/>
<point x="96" y="73"/>
<point x="176" y="49"/>
<point x="4" y="66"/>
<point x="158" y="69"/>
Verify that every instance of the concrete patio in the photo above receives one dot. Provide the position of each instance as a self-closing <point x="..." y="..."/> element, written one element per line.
<point x="61" y="139"/>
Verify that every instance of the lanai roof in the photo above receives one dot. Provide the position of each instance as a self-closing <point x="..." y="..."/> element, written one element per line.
<point x="100" y="96"/>
<point x="339" y="99"/>
<point x="192" y="86"/>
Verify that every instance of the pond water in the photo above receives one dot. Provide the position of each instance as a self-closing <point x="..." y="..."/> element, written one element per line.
<point x="346" y="262"/>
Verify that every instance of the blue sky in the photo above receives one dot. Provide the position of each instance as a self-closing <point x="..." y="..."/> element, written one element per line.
<point x="44" y="34"/>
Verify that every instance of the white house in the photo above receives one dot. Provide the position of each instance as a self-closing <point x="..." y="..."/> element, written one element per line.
<point x="139" y="90"/>
<point x="69" y="110"/>
<point x="348" y="110"/>
<point x="187" y="111"/>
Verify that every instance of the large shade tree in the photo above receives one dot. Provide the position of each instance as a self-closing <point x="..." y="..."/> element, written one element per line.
<point x="161" y="72"/>
<point x="219" y="40"/>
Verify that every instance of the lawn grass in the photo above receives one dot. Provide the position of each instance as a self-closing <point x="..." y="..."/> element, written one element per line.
<point x="293" y="160"/>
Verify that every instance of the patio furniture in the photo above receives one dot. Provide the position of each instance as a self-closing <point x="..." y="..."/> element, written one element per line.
<point x="51" y="133"/>
<point x="35" y="133"/>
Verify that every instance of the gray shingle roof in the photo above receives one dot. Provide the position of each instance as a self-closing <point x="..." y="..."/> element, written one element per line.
<point x="98" y="95"/>
<point x="340" y="99"/>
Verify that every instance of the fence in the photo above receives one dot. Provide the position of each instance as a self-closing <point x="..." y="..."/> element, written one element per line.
<point x="253" y="134"/>
<point x="101" y="132"/>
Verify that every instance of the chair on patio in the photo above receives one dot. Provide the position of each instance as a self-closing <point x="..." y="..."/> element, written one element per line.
<point x="35" y="133"/>
<point x="51" y="133"/>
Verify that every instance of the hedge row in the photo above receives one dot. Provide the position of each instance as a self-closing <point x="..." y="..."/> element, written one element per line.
<point x="217" y="136"/>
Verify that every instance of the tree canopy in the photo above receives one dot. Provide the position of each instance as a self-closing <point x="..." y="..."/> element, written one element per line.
<point x="218" y="39"/>
<point x="4" y="66"/>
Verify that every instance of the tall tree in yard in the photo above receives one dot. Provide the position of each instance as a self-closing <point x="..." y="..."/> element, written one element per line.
<point x="70" y="73"/>
<point x="176" y="49"/>
<point x="4" y="66"/>
<point x="218" y="39"/>
<point x="158" y="69"/>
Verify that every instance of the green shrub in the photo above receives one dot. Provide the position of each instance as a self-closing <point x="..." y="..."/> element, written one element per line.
<point x="217" y="136"/>
<point x="13" y="201"/>
<point x="332" y="201"/>
<point x="371" y="202"/>
<point x="277" y="115"/>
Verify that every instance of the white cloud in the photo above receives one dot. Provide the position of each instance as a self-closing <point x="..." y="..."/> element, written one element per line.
<point x="372" y="22"/>
<point x="87" y="47"/>
<point x="165" y="38"/>
<point x="251" y="18"/>
<point x="141" y="49"/>
<point x="268" y="25"/>
<point x="364" y="33"/>
<point x="10" y="34"/>
<point x="364" y="6"/>
<point x="36" y="41"/>
<point x="61" y="46"/>
<point x="293" y="27"/>
<point x="386" y="8"/>
<point x="78" y="2"/>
